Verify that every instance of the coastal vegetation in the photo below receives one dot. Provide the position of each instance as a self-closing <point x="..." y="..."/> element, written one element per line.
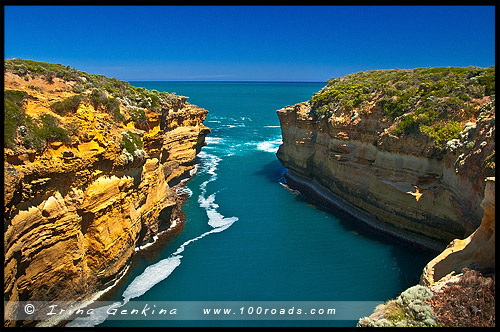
<point x="131" y="142"/>
<point x="34" y="133"/>
<point x="469" y="301"/>
<point x="123" y="102"/>
<point x="437" y="102"/>
<point x="410" y="309"/>
<point x="88" y="178"/>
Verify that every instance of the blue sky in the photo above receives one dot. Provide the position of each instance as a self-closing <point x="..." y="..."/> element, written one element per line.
<point x="281" y="43"/>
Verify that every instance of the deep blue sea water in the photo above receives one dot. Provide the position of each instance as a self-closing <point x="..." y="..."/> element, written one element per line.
<point x="246" y="237"/>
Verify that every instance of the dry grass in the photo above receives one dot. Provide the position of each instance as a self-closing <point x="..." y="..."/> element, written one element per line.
<point x="469" y="302"/>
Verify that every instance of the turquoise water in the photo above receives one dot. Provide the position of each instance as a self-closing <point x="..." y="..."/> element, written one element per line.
<point x="246" y="237"/>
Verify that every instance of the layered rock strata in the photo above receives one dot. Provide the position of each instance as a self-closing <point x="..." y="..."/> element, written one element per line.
<point x="75" y="210"/>
<point x="412" y="154"/>
<point x="404" y="186"/>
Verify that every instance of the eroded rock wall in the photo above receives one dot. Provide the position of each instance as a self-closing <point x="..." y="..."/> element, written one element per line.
<point x="75" y="211"/>
<point x="403" y="185"/>
<point x="477" y="251"/>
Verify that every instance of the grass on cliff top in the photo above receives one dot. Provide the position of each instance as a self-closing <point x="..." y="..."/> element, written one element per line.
<point x="32" y="133"/>
<point x="108" y="95"/>
<point x="433" y="101"/>
<point x="133" y="97"/>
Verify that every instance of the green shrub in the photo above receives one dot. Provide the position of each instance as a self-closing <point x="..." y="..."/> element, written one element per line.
<point x="50" y="129"/>
<point x="131" y="142"/>
<point x="110" y="105"/>
<point x="78" y="88"/>
<point x="415" y="293"/>
<point x="488" y="80"/>
<point x="46" y="129"/>
<point x="442" y="132"/>
<point x="68" y="105"/>
<point x="410" y="309"/>
<point x="96" y="98"/>
<point x="413" y="98"/>
<point x="16" y="96"/>
<point x="49" y="76"/>
<point x="407" y="125"/>
<point x="13" y="114"/>
<point x="137" y="115"/>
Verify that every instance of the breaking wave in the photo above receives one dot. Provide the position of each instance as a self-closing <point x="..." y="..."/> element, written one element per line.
<point x="156" y="273"/>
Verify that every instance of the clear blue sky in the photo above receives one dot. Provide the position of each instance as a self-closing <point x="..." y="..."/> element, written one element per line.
<point x="290" y="43"/>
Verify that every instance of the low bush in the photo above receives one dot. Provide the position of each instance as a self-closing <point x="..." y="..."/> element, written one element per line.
<point x="13" y="114"/>
<point x="131" y="142"/>
<point x="423" y="100"/>
<point x="68" y="105"/>
<point x="411" y="309"/>
<point x="110" y="105"/>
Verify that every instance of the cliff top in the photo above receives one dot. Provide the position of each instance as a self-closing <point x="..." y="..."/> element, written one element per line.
<point x="436" y="102"/>
<point x="44" y="103"/>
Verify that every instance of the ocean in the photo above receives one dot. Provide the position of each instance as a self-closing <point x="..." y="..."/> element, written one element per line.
<point x="247" y="237"/>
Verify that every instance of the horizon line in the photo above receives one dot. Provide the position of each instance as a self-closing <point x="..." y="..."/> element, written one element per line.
<point x="230" y="81"/>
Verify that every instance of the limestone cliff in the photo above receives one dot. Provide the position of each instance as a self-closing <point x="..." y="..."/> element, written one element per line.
<point x="91" y="166"/>
<point x="459" y="284"/>
<point x="406" y="151"/>
<point x="474" y="252"/>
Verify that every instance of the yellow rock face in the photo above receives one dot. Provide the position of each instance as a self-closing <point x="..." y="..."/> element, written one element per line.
<point x="75" y="211"/>
<point x="476" y="251"/>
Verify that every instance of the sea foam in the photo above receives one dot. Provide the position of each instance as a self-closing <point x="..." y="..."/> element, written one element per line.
<point x="161" y="270"/>
<point x="270" y="146"/>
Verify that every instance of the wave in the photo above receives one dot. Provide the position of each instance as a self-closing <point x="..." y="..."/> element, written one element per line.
<point x="236" y="125"/>
<point x="267" y="146"/>
<point x="270" y="146"/>
<point x="151" y="276"/>
<point x="213" y="140"/>
<point x="184" y="191"/>
<point x="161" y="270"/>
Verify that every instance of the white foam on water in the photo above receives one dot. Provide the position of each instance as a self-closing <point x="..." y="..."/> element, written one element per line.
<point x="156" y="273"/>
<point x="237" y="125"/>
<point x="267" y="146"/>
<point x="218" y="221"/>
<point x="98" y="316"/>
<point x="215" y="219"/>
<point x="213" y="140"/>
<point x="194" y="170"/>
<point x="161" y="270"/>
<point x="271" y="126"/>
<point x="184" y="191"/>
<point x="270" y="146"/>
<point x="151" y="276"/>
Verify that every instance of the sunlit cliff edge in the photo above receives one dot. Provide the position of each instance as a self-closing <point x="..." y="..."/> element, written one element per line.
<point x="91" y="168"/>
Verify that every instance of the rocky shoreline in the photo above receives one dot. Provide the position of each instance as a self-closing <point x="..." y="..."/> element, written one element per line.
<point x="92" y="167"/>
